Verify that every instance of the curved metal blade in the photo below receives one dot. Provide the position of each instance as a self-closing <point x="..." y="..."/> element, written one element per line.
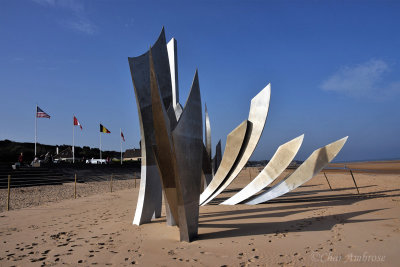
<point x="234" y="142"/>
<point x="257" y="117"/>
<point x="278" y="163"/>
<point x="314" y="164"/>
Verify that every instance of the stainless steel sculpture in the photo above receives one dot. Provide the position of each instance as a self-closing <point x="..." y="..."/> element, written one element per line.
<point x="278" y="163"/>
<point x="313" y="165"/>
<point x="257" y="117"/>
<point x="168" y="132"/>
<point x="175" y="160"/>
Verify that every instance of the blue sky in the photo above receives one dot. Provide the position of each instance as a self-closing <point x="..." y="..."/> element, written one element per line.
<point x="334" y="67"/>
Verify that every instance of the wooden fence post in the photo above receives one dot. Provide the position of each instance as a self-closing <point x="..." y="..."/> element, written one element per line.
<point x="8" y="194"/>
<point x="111" y="182"/>
<point x="75" y="187"/>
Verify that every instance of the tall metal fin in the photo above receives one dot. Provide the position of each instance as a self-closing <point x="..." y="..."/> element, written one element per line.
<point x="173" y="64"/>
<point x="207" y="132"/>
<point x="217" y="158"/>
<point x="163" y="149"/>
<point x="188" y="137"/>
<point x="149" y="200"/>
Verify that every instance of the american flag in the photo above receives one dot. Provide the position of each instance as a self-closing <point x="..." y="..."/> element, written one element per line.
<point x="41" y="114"/>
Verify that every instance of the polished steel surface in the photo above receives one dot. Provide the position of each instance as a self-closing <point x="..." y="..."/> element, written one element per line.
<point x="206" y="169"/>
<point x="313" y="164"/>
<point x="207" y="165"/>
<point x="149" y="200"/>
<point x="171" y="118"/>
<point x="149" y="194"/>
<point x="278" y="163"/>
<point x="188" y="147"/>
<point x="257" y="117"/>
<point x="216" y="161"/>
<point x="163" y="149"/>
<point x="207" y="133"/>
<point x="234" y="142"/>
<point x="173" y="65"/>
<point x="178" y="111"/>
<point x="168" y="214"/>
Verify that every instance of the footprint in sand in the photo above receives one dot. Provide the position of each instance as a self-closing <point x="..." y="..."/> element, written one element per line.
<point x="38" y="259"/>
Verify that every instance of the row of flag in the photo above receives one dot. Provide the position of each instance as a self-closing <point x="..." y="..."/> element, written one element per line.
<point x="41" y="114"/>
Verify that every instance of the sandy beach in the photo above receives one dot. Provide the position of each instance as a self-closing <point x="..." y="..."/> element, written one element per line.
<point x="311" y="226"/>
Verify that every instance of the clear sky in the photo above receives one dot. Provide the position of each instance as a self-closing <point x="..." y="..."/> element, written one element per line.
<point x="334" y="67"/>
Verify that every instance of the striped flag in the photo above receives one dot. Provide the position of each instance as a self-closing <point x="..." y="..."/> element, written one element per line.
<point x="104" y="129"/>
<point x="76" y="122"/>
<point x="122" y="136"/>
<point x="41" y="114"/>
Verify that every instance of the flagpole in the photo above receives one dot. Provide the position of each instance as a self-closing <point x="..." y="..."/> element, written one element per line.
<point x="73" y="140"/>
<point x="120" y="137"/>
<point x="100" y="145"/>
<point x="35" y="128"/>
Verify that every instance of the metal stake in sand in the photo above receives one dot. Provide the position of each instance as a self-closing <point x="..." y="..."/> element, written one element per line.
<point x="8" y="195"/>
<point x="354" y="180"/>
<point x="326" y="177"/>
<point x="75" y="187"/>
<point x="134" y="177"/>
<point x="111" y="182"/>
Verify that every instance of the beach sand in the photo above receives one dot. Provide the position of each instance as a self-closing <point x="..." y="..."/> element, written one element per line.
<point x="311" y="226"/>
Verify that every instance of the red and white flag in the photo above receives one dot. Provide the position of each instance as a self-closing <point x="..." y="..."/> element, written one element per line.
<point x="122" y="136"/>
<point x="76" y="122"/>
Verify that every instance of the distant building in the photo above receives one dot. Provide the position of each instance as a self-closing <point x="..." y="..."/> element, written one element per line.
<point x="64" y="155"/>
<point x="132" y="154"/>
